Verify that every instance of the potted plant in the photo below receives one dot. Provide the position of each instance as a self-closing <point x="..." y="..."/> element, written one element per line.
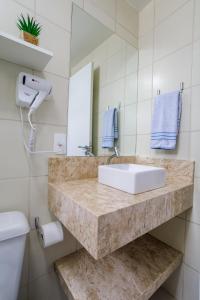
<point x="30" y="29"/>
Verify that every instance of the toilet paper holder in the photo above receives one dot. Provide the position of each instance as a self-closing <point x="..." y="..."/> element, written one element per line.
<point x="38" y="228"/>
<point x="49" y="234"/>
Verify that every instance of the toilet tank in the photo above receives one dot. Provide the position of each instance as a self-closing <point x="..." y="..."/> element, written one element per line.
<point x="13" y="230"/>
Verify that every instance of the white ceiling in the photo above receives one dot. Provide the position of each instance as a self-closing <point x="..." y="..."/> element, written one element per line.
<point x="138" y="4"/>
<point x="87" y="34"/>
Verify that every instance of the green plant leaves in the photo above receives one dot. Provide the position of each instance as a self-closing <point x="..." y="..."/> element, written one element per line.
<point x="29" y="25"/>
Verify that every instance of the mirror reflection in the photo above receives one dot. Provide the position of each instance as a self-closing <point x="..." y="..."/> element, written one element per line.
<point x="102" y="90"/>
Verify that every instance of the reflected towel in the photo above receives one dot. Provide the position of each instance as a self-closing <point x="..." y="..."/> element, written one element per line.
<point x="166" y="121"/>
<point x="110" y="128"/>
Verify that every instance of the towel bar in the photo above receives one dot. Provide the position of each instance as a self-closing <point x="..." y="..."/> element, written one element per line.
<point x="119" y="106"/>
<point x="181" y="88"/>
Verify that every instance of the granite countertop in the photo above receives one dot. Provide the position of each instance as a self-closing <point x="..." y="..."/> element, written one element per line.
<point x="104" y="219"/>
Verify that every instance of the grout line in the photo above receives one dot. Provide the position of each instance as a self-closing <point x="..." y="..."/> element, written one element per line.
<point x="35" y="71"/>
<point x="191" y="78"/>
<point x="172" y="13"/>
<point x="192" y="222"/>
<point x="26" y="7"/>
<point x="14" y="178"/>
<point x="173" y="52"/>
<point x="190" y="267"/>
<point x="167" y="17"/>
<point x="52" y="23"/>
<point x="35" y="122"/>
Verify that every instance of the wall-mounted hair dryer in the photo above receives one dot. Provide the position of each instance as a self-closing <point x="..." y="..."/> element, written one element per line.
<point x="31" y="91"/>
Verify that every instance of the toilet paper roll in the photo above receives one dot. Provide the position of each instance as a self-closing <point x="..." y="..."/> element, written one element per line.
<point x="51" y="233"/>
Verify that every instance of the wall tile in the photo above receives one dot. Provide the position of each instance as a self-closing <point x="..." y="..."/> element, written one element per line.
<point x="46" y="287"/>
<point x="146" y="50"/>
<point x="39" y="200"/>
<point x="91" y="7"/>
<point x="175" y="32"/>
<point x="196" y="63"/>
<point x="56" y="40"/>
<point x="78" y="2"/>
<point x="186" y="115"/>
<point x="144" y="117"/>
<point x="146" y="19"/>
<point x="131" y="88"/>
<point x="145" y="83"/>
<point x="129" y="143"/>
<point x="27" y="3"/>
<point x="127" y="17"/>
<point x="126" y="35"/>
<point x="25" y="266"/>
<point x="197" y="20"/>
<point x="45" y="137"/>
<point x="131" y="59"/>
<point x="130" y="114"/>
<point x="116" y="66"/>
<point x="172" y="233"/>
<point x="170" y="71"/>
<point x="194" y="214"/>
<point x="174" y="284"/>
<point x="161" y="294"/>
<point x="13" y="159"/>
<point x="23" y="293"/>
<point x="41" y="260"/>
<point x="195" y="107"/>
<point x="108" y="6"/>
<point x="98" y="126"/>
<point x="163" y="9"/>
<point x="10" y="10"/>
<point x="192" y="257"/>
<point x="112" y="94"/>
<point x="14" y="195"/>
<point x="113" y="45"/>
<point x="54" y="110"/>
<point x="58" y="12"/>
<point x="191" y="284"/>
<point x="195" y="151"/>
<point x="143" y="145"/>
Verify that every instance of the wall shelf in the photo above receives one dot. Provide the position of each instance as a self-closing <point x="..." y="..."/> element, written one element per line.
<point x="17" y="51"/>
<point x="133" y="272"/>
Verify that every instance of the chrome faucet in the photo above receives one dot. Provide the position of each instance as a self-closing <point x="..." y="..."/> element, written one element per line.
<point x="115" y="154"/>
<point x="87" y="149"/>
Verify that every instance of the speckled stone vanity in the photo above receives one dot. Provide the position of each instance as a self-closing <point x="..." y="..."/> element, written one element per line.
<point x="111" y="225"/>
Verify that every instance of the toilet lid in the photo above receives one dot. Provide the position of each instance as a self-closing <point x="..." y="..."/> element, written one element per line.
<point x="13" y="224"/>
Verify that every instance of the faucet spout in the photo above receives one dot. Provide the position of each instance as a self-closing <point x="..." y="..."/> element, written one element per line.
<point x="115" y="154"/>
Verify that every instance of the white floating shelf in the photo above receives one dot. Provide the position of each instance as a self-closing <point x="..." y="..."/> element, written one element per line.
<point x="23" y="53"/>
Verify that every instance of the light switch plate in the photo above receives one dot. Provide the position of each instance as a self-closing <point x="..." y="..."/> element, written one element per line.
<point x="60" y="143"/>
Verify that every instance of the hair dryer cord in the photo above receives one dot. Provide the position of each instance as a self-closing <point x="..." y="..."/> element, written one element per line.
<point x="32" y="139"/>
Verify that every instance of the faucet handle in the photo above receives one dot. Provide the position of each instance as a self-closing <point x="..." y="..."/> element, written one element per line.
<point x="116" y="150"/>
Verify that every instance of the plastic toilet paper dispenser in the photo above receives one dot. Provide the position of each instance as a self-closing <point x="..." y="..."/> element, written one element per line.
<point x="49" y="234"/>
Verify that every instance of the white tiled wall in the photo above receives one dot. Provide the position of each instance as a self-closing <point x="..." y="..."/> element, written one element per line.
<point x="23" y="179"/>
<point x="114" y="85"/>
<point x="169" y="53"/>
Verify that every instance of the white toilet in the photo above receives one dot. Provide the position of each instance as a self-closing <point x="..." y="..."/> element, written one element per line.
<point x="13" y="230"/>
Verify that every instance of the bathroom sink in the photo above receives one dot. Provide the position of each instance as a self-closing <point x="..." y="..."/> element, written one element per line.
<point x="132" y="178"/>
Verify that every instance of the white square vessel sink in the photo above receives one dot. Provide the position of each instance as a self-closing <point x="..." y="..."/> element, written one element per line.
<point x="132" y="178"/>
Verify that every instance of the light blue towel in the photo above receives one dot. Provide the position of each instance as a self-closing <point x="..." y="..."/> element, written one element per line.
<point x="110" y="128"/>
<point x="166" y="121"/>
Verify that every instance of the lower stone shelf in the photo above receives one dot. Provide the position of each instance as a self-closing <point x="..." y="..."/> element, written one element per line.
<point x="133" y="272"/>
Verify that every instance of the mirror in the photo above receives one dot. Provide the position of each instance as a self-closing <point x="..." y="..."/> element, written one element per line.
<point x="102" y="89"/>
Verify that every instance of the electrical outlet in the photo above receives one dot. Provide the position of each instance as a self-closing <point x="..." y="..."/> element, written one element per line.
<point x="60" y="143"/>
